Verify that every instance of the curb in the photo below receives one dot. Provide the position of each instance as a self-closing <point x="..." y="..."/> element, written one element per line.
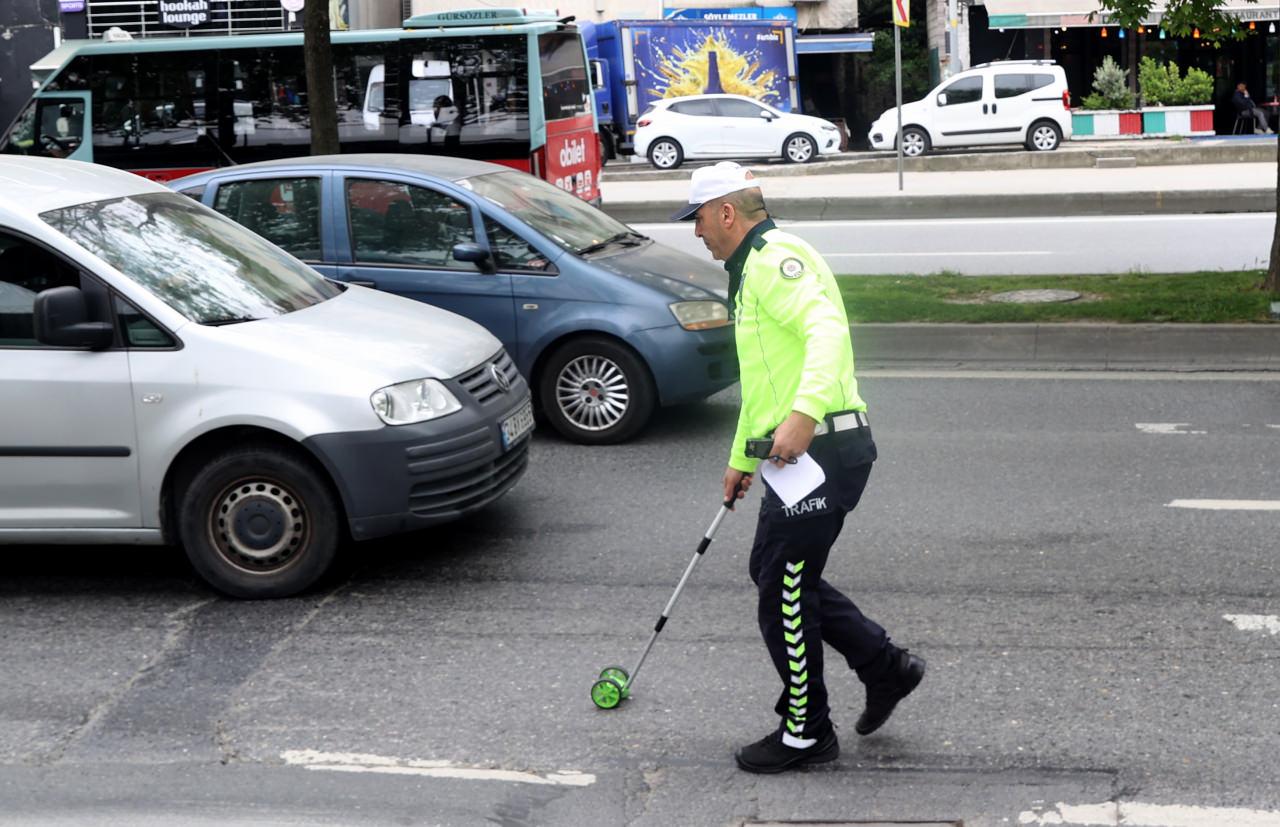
<point x="1164" y="154"/>
<point x="1149" y="347"/>
<point x="996" y="205"/>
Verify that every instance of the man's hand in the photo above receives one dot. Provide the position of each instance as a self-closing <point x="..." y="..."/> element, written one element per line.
<point x="736" y="484"/>
<point x="792" y="438"/>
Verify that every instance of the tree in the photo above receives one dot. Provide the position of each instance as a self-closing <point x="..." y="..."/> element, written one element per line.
<point x="318" y="55"/>
<point x="1181" y="18"/>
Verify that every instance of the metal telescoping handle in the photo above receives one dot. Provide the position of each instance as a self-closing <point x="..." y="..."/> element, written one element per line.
<point x="666" y="613"/>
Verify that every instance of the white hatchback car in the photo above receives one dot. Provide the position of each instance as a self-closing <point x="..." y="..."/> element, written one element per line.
<point x="1008" y="102"/>
<point x="729" y="126"/>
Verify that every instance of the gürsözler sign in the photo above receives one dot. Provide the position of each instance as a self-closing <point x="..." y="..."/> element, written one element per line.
<point x="184" y="14"/>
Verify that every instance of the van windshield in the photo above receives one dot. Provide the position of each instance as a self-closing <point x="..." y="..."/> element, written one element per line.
<point x="561" y="216"/>
<point x="208" y="268"/>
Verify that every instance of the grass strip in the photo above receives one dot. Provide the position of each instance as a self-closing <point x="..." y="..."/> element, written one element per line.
<point x="1192" y="298"/>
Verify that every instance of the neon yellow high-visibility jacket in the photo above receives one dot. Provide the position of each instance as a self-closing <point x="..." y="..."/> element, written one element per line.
<point x="792" y="336"/>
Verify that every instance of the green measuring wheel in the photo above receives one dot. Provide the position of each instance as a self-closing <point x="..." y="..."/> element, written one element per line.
<point x="607" y="693"/>
<point x="619" y="676"/>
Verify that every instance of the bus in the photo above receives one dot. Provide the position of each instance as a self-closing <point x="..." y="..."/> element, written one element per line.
<point x="497" y="85"/>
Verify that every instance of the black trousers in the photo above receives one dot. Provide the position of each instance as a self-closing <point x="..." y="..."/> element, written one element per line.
<point x="798" y="610"/>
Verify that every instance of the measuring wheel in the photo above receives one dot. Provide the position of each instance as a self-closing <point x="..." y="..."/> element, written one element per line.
<point x="607" y="693"/>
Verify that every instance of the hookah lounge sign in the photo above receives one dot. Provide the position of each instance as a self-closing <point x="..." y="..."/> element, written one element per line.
<point x="184" y="14"/>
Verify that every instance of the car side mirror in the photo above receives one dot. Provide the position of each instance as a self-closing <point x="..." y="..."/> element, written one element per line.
<point x="62" y="320"/>
<point x="477" y="254"/>
<point x="942" y="99"/>
<point x="768" y="116"/>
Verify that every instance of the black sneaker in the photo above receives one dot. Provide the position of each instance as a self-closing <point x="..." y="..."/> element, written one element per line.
<point x="895" y="681"/>
<point x="770" y="755"/>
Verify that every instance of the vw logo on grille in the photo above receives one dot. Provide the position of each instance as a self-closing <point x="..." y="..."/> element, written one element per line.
<point x="504" y="384"/>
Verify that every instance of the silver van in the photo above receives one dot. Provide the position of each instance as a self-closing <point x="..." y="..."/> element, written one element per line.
<point x="167" y="376"/>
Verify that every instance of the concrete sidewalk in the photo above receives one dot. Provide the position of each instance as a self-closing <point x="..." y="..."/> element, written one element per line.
<point x="1146" y="347"/>
<point x="1190" y="188"/>
<point x="1226" y="149"/>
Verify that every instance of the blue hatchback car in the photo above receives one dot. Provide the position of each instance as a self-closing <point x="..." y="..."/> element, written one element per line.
<point x="605" y="323"/>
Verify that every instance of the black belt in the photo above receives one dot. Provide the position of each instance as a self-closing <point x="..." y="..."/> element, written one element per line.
<point x="842" y="421"/>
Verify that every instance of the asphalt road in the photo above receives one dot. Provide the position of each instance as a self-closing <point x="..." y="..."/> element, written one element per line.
<point x="1094" y="653"/>
<point x="1027" y="246"/>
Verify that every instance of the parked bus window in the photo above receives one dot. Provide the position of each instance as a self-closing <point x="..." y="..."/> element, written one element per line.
<point x="565" y="90"/>
<point x="368" y="97"/>
<point x="262" y="110"/>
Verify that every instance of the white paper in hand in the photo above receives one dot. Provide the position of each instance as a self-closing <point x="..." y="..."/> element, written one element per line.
<point x="792" y="483"/>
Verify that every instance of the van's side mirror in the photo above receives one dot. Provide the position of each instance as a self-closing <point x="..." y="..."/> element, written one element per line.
<point x="942" y="99"/>
<point x="477" y="254"/>
<point x="61" y="320"/>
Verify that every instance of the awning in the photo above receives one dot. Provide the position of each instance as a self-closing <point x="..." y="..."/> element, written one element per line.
<point x="1064" y="14"/>
<point x="826" y="44"/>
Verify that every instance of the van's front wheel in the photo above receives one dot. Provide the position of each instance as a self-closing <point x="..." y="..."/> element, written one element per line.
<point x="259" y="522"/>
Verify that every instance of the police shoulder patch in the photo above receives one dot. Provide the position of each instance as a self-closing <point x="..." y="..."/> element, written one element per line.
<point x="791" y="268"/>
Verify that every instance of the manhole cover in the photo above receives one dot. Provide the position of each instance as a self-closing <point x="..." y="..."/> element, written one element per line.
<point x="1035" y="296"/>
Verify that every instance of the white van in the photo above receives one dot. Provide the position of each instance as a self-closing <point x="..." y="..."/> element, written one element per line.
<point x="167" y="376"/>
<point x="1008" y="102"/>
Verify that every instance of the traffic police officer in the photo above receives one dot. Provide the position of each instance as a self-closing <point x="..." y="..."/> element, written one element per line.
<point x="798" y="388"/>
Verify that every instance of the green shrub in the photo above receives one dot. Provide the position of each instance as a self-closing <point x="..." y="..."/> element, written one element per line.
<point x="1197" y="86"/>
<point x="1154" y="83"/>
<point x="1110" y="88"/>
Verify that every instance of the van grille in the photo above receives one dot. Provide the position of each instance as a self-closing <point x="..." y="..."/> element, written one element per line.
<point x="462" y="473"/>
<point x="480" y="382"/>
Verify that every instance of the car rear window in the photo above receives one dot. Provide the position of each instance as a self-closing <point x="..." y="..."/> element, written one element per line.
<point x="1012" y="85"/>
<point x="697" y="107"/>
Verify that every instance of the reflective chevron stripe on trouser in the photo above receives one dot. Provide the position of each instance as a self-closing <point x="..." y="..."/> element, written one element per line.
<point x="793" y="633"/>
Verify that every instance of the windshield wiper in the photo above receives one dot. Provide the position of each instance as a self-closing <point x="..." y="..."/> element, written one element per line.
<point x="226" y="320"/>
<point x="630" y="238"/>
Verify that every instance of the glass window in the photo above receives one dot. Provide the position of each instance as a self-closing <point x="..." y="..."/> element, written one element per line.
<point x="203" y="265"/>
<point x="139" y="331"/>
<point x="566" y="92"/>
<point x="263" y="102"/>
<point x="1012" y="85"/>
<point x="472" y="92"/>
<point x="368" y="95"/>
<point x="52" y="127"/>
<point x="148" y="100"/>
<point x="285" y="211"/>
<point x="965" y="90"/>
<point x="696" y="107"/>
<point x="561" y="216"/>
<point x="510" y="251"/>
<point x="393" y="223"/>
<point x="734" y="108"/>
<point x="194" y="193"/>
<point x="26" y="270"/>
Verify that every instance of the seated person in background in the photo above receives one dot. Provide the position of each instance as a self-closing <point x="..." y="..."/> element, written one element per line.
<point x="1245" y="107"/>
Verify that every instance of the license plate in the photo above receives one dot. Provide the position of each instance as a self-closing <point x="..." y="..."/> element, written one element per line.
<point x="517" y="425"/>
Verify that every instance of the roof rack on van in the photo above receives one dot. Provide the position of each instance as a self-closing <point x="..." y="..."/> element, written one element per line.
<point x="1015" y="62"/>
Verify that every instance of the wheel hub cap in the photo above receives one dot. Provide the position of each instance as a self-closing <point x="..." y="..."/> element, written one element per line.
<point x="592" y="393"/>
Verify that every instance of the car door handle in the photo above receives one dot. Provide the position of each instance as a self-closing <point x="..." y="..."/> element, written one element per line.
<point x="370" y="284"/>
<point x="993" y="109"/>
<point x="984" y="109"/>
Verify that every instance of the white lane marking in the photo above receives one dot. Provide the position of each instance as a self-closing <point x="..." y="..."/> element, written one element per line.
<point x="1277" y="427"/>
<point x="1139" y="814"/>
<point x="1255" y="623"/>
<point x="364" y="762"/>
<point x="984" y="253"/>
<point x="963" y="374"/>
<point x="1165" y="428"/>
<point x="1227" y="505"/>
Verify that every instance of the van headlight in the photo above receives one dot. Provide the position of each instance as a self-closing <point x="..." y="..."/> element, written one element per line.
<point x="414" y="401"/>
<point x="700" y="315"/>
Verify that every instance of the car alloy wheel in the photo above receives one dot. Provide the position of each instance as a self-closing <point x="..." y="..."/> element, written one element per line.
<point x="1044" y="137"/>
<point x="592" y="393"/>
<point x="665" y="154"/>
<point x="913" y="143"/>
<point x="799" y="149"/>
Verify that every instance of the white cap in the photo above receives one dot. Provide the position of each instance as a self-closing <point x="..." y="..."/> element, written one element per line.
<point x="710" y="183"/>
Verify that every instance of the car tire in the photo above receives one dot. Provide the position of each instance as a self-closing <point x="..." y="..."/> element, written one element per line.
<point x="666" y="153"/>
<point x="915" y="142"/>
<point x="1044" y="136"/>
<point x="258" y="522"/>
<point x="595" y="391"/>
<point x="799" y="149"/>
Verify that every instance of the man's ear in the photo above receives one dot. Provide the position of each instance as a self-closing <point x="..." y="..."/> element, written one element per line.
<point x="728" y="214"/>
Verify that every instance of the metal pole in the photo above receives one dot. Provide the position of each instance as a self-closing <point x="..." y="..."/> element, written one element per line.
<point x="897" y="76"/>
